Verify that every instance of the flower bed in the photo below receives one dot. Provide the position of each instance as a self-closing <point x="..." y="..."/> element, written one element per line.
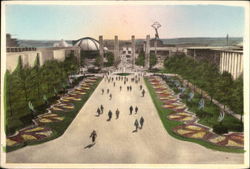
<point x="190" y="128"/>
<point x="183" y="117"/>
<point x="29" y="134"/>
<point x="48" y="118"/>
<point x="38" y="132"/>
<point x="63" y="106"/>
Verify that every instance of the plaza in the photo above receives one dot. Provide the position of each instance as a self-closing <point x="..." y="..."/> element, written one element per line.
<point x="116" y="142"/>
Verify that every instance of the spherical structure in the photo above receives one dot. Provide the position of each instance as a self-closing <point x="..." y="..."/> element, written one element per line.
<point x="87" y="44"/>
<point x="62" y="43"/>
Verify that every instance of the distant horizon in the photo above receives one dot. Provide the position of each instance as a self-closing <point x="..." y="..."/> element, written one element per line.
<point x="126" y="39"/>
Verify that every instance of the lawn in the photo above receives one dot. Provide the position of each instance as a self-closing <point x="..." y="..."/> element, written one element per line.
<point x="58" y="128"/>
<point x="169" y="124"/>
<point x="209" y="115"/>
<point x="123" y="74"/>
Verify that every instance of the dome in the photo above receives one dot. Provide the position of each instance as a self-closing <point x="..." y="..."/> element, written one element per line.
<point x="62" y="43"/>
<point x="87" y="44"/>
<point x="239" y="44"/>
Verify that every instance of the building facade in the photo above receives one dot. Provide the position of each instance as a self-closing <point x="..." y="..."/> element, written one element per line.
<point x="226" y="59"/>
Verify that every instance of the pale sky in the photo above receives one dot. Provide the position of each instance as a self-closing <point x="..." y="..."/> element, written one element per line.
<point x="55" y="22"/>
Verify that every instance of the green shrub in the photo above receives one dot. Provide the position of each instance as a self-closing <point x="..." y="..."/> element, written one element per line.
<point x="220" y="129"/>
<point x="219" y="86"/>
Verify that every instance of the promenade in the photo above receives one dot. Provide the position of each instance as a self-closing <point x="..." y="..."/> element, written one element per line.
<point x="116" y="142"/>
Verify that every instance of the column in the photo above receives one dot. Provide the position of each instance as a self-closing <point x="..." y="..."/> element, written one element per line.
<point x="133" y="50"/>
<point x="237" y="65"/>
<point x="234" y="66"/>
<point x="228" y="59"/>
<point x="221" y="61"/>
<point x="231" y="64"/>
<point x="116" y="48"/>
<point x="224" y="62"/>
<point x="241" y="63"/>
<point x="101" y="49"/>
<point x="147" y="52"/>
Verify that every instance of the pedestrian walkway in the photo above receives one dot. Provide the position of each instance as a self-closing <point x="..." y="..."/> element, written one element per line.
<point x="116" y="142"/>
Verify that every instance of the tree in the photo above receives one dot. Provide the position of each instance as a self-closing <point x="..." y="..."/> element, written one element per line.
<point x="224" y="89"/>
<point x="8" y="88"/>
<point x="71" y="64"/>
<point x="152" y="60"/>
<point x="140" y="59"/>
<point x="98" y="61"/>
<point x="110" y="58"/>
<point x="22" y="73"/>
<point x="237" y="96"/>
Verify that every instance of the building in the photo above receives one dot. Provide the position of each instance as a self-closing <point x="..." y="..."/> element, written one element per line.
<point x="11" y="42"/>
<point x="44" y="54"/>
<point x="229" y="59"/>
<point x="89" y="51"/>
<point x="62" y="43"/>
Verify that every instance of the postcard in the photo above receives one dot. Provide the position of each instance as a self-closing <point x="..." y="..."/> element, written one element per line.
<point x="125" y="84"/>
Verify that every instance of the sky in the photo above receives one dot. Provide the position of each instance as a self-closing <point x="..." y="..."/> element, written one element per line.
<point x="55" y="22"/>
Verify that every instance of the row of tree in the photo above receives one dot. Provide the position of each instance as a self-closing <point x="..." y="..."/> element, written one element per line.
<point x="141" y="59"/>
<point x="29" y="89"/>
<point x="206" y="76"/>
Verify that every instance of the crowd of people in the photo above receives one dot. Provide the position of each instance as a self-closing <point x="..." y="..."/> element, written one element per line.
<point x="113" y="82"/>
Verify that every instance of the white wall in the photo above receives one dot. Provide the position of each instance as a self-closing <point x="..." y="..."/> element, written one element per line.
<point x="29" y="57"/>
<point x="232" y="62"/>
<point x="59" y="54"/>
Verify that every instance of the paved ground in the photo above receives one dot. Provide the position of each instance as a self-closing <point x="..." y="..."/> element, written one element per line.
<point x="116" y="143"/>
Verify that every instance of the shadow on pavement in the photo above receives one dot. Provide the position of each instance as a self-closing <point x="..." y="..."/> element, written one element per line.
<point x="89" y="146"/>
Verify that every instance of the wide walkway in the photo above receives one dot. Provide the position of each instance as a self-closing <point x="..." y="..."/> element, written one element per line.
<point x="116" y="141"/>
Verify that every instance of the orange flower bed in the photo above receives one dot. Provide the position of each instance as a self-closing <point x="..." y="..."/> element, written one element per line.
<point x="49" y="118"/>
<point x="29" y="134"/>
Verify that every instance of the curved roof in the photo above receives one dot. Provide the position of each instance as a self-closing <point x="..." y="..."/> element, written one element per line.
<point x="62" y="43"/>
<point x="87" y="44"/>
<point x="239" y="44"/>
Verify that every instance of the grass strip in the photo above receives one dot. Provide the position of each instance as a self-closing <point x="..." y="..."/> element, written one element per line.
<point x="58" y="128"/>
<point x="169" y="124"/>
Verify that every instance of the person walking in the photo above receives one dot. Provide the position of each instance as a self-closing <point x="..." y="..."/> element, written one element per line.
<point x="102" y="108"/>
<point x="117" y="113"/>
<point x="130" y="88"/>
<point x="136" y="124"/>
<point x="114" y="84"/>
<point x="109" y="115"/>
<point x="110" y="96"/>
<point x="93" y="136"/>
<point x="107" y="91"/>
<point x="136" y="110"/>
<point x="143" y="93"/>
<point x="102" y="91"/>
<point x="131" y="109"/>
<point x="98" y="112"/>
<point x="120" y="88"/>
<point x="140" y="87"/>
<point x="141" y="122"/>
